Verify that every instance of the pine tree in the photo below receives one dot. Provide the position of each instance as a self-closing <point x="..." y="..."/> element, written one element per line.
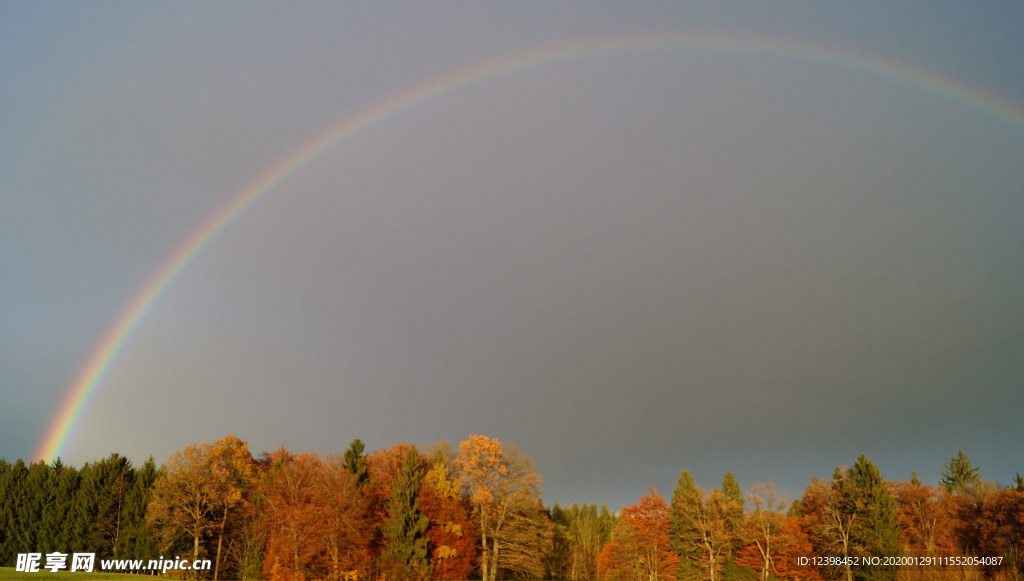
<point x="29" y="510"/>
<point x="732" y="490"/>
<point x="683" y="535"/>
<point x="355" y="461"/>
<point x="63" y="486"/>
<point x="5" y="500"/>
<point x="914" y="480"/>
<point x="405" y="551"/>
<point x="108" y="487"/>
<point x="876" y="527"/>
<point x="136" y="540"/>
<point x="959" y="476"/>
<point x="12" y="478"/>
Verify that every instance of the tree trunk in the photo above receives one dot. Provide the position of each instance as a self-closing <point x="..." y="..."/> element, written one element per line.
<point x="195" y="551"/>
<point x="220" y="541"/>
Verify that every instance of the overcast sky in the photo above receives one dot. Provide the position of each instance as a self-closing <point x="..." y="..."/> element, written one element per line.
<point x="627" y="264"/>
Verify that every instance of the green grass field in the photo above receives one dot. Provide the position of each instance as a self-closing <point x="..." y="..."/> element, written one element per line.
<point x="9" y="574"/>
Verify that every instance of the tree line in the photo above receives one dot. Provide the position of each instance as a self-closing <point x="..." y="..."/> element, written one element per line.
<point x="405" y="514"/>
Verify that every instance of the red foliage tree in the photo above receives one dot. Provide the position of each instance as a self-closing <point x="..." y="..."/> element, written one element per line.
<point x="315" y="520"/>
<point x="639" y="547"/>
<point x="452" y="532"/>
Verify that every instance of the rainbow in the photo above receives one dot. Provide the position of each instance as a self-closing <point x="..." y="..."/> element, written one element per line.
<point x="91" y="375"/>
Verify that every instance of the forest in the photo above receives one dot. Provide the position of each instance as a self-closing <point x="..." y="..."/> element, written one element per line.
<point x="476" y="512"/>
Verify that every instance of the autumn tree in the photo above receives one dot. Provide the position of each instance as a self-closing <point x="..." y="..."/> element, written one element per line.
<point x="793" y="543"/>
<point x="639" y="549"/>
<point x="919" y="514"/>
<point x="990" y="521"/>
<point x="198" y="491"/>
<point x="763" y="529"/>
<point x="504" y="489"/>
<point x="452" y="532"/>
<point x="230" y="471"/>
<point x="825" y="517"/>
<point x="340" y="520"/>
<point x="290" y="516"/>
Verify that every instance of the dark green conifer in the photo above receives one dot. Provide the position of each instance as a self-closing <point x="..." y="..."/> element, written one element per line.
<point x="959" y="476"/>
<point x="405" y="551"/>
<point x="29" y="512"/>
<point x="135" y="540"/>
<point x="63" y="486"/>
<point x="682" y="534"/>
<point x="876" y="527"/>
<point x="731" y="489"/>
<point x="355" y="461"/>
<point x="12" y="487"/>
<point x="5" y="501"/>
<point x="109" y="486"/>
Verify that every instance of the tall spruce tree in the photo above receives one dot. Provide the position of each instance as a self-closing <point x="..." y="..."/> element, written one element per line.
<point x="29" y="511"/>
<point x="5" y="501"/>
<point x="731" y="489"/>
<point x="876" y="528"/>
<point x="405" y="540"/>
<point x="733" y="512"/>
<point x="107" y="487"/>
<point x="959" y="476"/>
<point x="682" y="534"/>
<point x="135" y="540"/>
<point x="12" y="487"/>
<point x="63" y="486"/>
<point x="355" y="461"/>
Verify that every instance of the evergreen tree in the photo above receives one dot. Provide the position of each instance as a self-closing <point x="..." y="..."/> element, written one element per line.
<point x="355" y="461"/>
<point x="682" y="533"/>
<point x="10" y="493"/>
<point x="29" y="509"/>
<point x="732" y="490"/>
<point x="60" y="498"/>
<point x="959" y="476"/>
<point x="5" y="498"/>
<point x="606" y="522"/>
<point x="107" y="488"/>
<point x="558" y="552"/>
<point x="84" y="509"/>
<point x="876" y="528"/>
<point x="734" y="517"/>
<point x="405" y="551"/>
<point x="914" y="480"/>
<point x="136" y="540"/>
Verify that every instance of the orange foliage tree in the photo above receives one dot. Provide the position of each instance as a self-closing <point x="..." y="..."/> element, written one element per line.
<point x="315" y="520"/>
<point x="452" y="532"/>
<point x="505" y="491"/>
<point x="639" y="547"/>
<point x="199" y="490"/>
<point x="762" y="530"/>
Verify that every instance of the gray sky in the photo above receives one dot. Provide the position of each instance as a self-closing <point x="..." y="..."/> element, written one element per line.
<point x="627" y="264"/>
